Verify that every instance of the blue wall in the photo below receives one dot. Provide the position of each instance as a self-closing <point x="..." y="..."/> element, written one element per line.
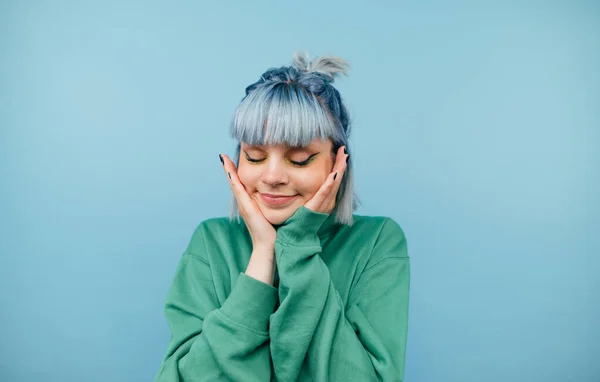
<point x="475" y="127"/>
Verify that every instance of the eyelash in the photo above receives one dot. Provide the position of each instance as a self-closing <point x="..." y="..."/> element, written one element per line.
<point x="298" y="164"/>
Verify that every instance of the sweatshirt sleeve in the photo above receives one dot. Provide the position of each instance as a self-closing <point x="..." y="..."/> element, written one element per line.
<point x="210" y="342"/>
<point x="363" y="341"/>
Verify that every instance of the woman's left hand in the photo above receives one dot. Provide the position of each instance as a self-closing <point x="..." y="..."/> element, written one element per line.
<point x="324" y="200"/>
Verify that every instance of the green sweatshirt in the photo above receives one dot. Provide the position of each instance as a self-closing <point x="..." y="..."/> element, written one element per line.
<point x="338" y="309"/>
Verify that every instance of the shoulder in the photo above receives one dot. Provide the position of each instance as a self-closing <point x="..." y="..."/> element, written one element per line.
<point x="210" y="231"/>
<point x="382" y="226"/>
<point x="385" y="235"/>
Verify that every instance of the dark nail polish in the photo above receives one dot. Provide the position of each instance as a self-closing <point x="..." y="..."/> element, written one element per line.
<point x="335" y="176"/>
<point x="345" y="152"/>
<point x="229" y="175"/>
<point x="348" y="157"/>
<point x="221" y="158"/>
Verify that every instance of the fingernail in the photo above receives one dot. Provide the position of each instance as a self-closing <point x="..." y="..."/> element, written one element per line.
<point x="229" y="175"/>
<point x="345" y="152"/>
<point x="347" y="158"/>
<point x="221" y="158"/>
<point x="335" y="176"/>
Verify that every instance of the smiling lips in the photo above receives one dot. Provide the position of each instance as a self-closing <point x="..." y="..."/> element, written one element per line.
<point x="277" y="200"/>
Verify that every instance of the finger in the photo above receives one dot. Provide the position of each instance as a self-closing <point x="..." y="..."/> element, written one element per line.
<point x="231" y="172"/>
<point x="326" y="194"/>
<point x="339" y="168"/>
<point x="341" y="160"/>
<point x="228" y="167"/>
<point x="239" y="190"/>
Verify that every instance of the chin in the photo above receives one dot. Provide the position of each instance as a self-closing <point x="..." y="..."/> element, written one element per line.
<point x="277" y="217"/>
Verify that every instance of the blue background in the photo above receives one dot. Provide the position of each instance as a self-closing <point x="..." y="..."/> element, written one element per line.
<point x="476" y="127"/>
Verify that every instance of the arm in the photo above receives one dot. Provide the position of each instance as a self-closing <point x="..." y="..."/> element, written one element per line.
<point x="210" y="342"/>
<point x="363" y="341"/>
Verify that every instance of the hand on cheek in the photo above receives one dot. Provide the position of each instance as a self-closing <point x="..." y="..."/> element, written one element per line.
<point x="324" y="200"/>
<point x="262" y="232"/>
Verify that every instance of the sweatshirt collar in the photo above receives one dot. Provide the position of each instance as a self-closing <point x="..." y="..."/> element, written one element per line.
<point x="321" y="224"/>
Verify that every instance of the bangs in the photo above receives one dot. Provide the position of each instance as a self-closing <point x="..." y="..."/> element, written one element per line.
<point x="282" y="113"/>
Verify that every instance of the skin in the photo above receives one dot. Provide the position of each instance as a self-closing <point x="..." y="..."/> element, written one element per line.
<point x="313" y="183"/>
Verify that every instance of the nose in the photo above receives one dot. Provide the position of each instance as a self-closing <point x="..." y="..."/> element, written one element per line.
<point x="274" y="174"/>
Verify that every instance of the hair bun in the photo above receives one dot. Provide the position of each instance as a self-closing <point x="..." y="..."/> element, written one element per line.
<point x="329" y="66"/>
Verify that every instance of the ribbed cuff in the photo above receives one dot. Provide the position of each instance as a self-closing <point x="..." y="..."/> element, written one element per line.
<point x="250" y="303"/>
<point x="303" y="225"/>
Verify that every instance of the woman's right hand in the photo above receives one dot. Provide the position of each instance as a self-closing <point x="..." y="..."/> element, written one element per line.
<point x="262" y="232"/>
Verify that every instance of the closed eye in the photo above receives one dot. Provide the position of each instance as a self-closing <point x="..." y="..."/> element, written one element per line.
<point x="253" y="160"/>
<point x="299" y="164"/>
<point x="306" y="162"/>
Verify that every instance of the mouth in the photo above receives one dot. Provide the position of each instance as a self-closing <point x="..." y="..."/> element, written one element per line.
<point x="277" y="200"/>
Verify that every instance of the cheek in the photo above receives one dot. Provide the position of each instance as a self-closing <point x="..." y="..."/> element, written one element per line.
<point x="248" y="176"/>
<point x="308" y="183"/>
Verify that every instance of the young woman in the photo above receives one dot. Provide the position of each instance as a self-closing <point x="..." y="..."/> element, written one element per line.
<point x="299" y="288"/>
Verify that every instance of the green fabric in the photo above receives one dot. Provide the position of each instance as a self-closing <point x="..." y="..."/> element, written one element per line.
<point x="338" y="310"/>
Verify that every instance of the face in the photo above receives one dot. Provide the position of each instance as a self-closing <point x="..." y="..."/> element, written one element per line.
<point x="280" y="179"/>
